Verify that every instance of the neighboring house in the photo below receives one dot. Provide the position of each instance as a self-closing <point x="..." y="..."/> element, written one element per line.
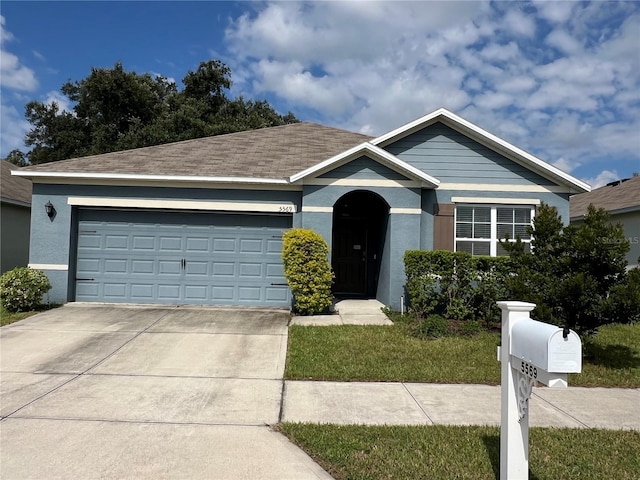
<point x="15" y="218"/>
<point x="622" y="200"/>
<point x="201" y="221"/>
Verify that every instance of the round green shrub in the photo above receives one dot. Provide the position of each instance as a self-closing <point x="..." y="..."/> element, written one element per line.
<point x="433" y="326"/>
<point x="22" y="288"/>
<point x="305" y="255"/>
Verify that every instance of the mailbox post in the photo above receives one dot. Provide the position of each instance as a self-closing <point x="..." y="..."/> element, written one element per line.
<point x="531" y="352"/>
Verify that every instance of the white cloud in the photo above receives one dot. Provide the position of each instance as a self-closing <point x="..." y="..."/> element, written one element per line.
<point x="60" y="100"/>
<point x="561" y="39"/>
<point x="555" y="11"/>
<point x="13" y="128"/>
<point x="4" y="34"/>
<point x="519" y="23"/>
<point x="13" y="74"/>
<point x="570" y="96"/>
<point x="604" y="177"/>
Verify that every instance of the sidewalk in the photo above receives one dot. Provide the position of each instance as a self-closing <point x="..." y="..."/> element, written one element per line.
<point x="394" y="403"/>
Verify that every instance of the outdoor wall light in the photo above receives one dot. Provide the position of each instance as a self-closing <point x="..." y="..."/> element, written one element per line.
<point x="50" y="209"/>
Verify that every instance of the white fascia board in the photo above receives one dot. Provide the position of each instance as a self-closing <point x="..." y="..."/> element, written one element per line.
<point x="318" y="167"/>
<point x="408" y="128"/>
<point x="377" y="154"/>
<point x="488" y="139"/>
<point x="138" y="177"/>
<point x="173" y="204"/>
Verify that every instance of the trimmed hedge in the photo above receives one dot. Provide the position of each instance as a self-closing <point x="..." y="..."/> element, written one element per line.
<point x="455" y="284"/>
<point x="307" y="269"/>
<point x="22" y="288"/>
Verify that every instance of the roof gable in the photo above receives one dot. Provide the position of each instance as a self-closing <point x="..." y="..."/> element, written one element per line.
<point x="374" y="153"/>
<point x="487" y="139"/>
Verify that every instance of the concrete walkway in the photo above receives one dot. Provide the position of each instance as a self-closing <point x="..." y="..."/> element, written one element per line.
<point x="379" y="403"/>
<point x="348" y="312"/>
<point x="393" y="403"/>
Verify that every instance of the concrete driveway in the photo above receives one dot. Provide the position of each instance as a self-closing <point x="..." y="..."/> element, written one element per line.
<point x="146" y="392"/>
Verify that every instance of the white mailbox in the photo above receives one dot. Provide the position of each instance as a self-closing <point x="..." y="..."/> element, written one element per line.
<point x="545" y="347"/>
<point x="531" y="352"/>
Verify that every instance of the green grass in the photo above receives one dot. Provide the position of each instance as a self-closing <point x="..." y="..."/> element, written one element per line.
<point x="7" y="317"/>
<point x="442" y="452"/>
<point x="374" y="353"/>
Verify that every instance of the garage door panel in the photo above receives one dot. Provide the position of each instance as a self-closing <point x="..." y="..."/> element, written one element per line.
<point x="250" y="270"/>
<point x="276" y="294"/>
<point x="170" y="267"/>
<point x="115" y="291"/>
<point x="202" y="259"/>
<point x="143" y="267"/>
<point x="115" y="266"/>
<point x="197" y="245"/>
<point x="196" y="268"/>
<point x="223" y="269"/>
<point x="142" y="292"/>
<point x="170" y="244"/>
<point x="224" y="245"/>
<point x="143" y="242"/>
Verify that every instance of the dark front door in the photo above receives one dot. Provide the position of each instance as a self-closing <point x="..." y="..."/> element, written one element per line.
<point x="350" y="256"/>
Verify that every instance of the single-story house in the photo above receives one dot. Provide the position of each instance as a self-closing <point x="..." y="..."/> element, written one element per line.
<point x="622" y="200"/>
<point x="201" y="221"/>
<point x="15" y="218"/>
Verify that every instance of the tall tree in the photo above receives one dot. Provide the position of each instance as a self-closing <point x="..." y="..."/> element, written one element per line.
<point x="115" y="110"/>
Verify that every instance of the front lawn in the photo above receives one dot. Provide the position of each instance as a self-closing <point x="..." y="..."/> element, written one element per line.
<point x="8" y="317"/>
<point x="397" y="452"/>
<point x="390" y="353"/>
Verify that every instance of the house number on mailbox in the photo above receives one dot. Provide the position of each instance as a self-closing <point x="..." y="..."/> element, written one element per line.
<point x="528" y="370"/>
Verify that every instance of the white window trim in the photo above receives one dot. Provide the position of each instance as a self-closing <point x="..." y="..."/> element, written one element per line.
<point x="493" y="241"/>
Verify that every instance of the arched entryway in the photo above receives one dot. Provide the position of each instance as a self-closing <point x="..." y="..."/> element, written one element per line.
<point x="359" y="228"/>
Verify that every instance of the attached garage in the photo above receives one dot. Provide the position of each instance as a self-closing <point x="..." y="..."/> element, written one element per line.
<point x="207" y="258"/>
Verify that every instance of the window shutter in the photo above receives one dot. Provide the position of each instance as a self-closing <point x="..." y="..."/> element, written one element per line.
<point x="443" y="226"/>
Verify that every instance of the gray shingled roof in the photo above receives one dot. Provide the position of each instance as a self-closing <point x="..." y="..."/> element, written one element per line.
<point x="613" y="197"/>
<point x="12" y="188"/>
<point x="274" y="152"/>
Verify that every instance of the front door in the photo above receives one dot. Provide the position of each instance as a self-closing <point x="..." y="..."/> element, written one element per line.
<point x="350" y="256"/>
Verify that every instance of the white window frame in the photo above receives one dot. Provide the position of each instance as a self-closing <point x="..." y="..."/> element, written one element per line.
<point x="493" y="241"/>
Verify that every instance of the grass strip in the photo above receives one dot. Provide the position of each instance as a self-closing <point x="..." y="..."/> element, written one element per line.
<point x="358" y="452"/>
<point x="390" y="353"/>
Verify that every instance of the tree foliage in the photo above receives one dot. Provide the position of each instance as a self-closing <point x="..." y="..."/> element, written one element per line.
<point x="114" y="109"/>
<point x="576" y="274"/>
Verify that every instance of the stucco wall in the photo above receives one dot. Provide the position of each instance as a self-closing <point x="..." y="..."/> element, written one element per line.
<point x="53" y="241"/>
<point x="14" y="240"/>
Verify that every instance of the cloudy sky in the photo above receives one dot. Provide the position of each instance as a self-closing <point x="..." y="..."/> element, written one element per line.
<point x="558" y="79"/>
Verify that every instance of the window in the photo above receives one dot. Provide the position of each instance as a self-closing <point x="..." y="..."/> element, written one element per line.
<point x="480" y="228"/>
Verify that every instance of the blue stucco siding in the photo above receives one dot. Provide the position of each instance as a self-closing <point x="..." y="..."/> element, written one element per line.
<point x="403" y="234"/>
<point x="451" y="157"/>
<point x="53" y="242"/>
<point x="364" y="168"/>
<point x="319" y="222"/>
<point x="327" y="196"/>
